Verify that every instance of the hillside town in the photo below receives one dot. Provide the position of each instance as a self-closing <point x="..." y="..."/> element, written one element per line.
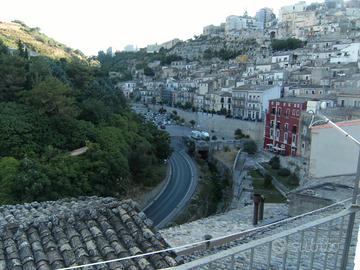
<point x="235" y="149"/>
<point x="274" y="77"/>
<point x="279" y="88"/>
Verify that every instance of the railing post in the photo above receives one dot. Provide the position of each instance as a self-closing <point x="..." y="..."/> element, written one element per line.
<point x="256" y="208"/>
<point x="328" y="245"/>
<point x="261" y="208"/>
<point x="350" y="228"/>
<point x="340" y="237"/>
<point x="285" y="254"/>
<point x="233" y="261"/>
<point x="269" y="256"/>
<point x="251" y="263"/>
<point x="300" y="250"/>
<point x="313" y="248"/>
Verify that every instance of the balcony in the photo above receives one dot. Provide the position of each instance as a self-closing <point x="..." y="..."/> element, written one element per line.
<point x="253" y="100"/>
<point x="318" y="243"/>
<point x="238" y="98"/>
<point x="252" y="108"/>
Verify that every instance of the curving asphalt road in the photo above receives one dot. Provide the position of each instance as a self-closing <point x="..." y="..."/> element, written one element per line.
<point x="178" y="190"/>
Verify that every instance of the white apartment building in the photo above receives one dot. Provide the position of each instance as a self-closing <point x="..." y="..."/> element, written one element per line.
<point x="298" y="7"/>
<point x="252" y="101"/>
<point x="349" y="53"/>
<point x="235" y="24"/>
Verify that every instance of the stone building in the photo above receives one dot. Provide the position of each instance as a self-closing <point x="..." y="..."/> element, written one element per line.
<point x="251" y="101"/>
<point x="282" y="126"/>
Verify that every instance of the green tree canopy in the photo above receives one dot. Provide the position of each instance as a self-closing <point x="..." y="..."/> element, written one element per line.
<point x="51" y="97"/>
<point x="286" y="44"/>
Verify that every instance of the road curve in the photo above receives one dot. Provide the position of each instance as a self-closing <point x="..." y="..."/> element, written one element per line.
<point x="178" y="191"/>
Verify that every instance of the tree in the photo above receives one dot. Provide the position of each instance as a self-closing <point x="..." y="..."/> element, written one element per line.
<point x="275" y="163"/>
<point x="51" y="97"/>
<point x="267" y="180"/>
<point x="286" y="44"/>
<point x="250" y="147"/>
<point x="80" y="73"/>
<point x="22" y="131"/>
<point x="94" y="110"/>
<point x="149" y="72"/>
<point x="3" y="48"/>
<point x="39" y="69"/>
<point x="238" y="134"/>
<point x="9" y="167"/>
<point x="12" y="77"/>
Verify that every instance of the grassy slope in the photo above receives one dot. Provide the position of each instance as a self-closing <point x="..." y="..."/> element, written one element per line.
<point x="10" y="33"/>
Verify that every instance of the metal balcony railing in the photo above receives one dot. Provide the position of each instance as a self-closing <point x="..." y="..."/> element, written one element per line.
<point x="318" y="244"/>
<point x="252" y="100"/>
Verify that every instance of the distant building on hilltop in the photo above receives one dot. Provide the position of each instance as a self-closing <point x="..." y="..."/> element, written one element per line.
<point x="235" y="24"/>
<point x="130" y="48"/>
<point x="299" y="7"/>
<point x="264" y="16"/>
<point x="109" y="51"/>
<point x="169" y="44"/>
<point x="153" y="48"/>
<point x="213" y="30"/>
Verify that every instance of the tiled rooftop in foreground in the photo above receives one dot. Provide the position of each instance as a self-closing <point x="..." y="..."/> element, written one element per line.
<point x="57" y="234"/>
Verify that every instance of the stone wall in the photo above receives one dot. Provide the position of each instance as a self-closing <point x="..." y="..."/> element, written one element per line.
<point x="222" y="127"/>
<point x="297" y="165"/>
<point x="302" y="203"/>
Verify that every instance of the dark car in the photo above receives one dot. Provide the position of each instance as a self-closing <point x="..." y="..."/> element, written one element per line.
<point x="162" y="126"/>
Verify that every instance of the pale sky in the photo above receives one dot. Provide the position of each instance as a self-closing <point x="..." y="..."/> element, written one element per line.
<point x="93" y="25"/>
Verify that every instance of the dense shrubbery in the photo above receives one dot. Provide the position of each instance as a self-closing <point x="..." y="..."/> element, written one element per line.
<point x="250" y="147"/>
<point x="224" y="54"/>
<point x="286" y="44"/>
<point x="275" y="163"/>
<point x="283" y="172"/>
<point x="122" y="62"/>
<point x="49" y="108"/>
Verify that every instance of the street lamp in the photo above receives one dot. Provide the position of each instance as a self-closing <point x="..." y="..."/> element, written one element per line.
<point x="350" y="227"/>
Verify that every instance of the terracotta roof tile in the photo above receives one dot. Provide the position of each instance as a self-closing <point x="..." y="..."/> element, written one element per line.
<point x="56" y="234"/>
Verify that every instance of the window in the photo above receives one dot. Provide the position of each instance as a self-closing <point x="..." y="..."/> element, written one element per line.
<point x="272" y="123"/>
<point x="278" y="125"/>
<point x="304" y="130"/>
<point x="271" y="133"/>
<point x="279" y="112"/>
<point x="286" y="136"/>
<point x="286" y="126"/>
<point x="294" y="129"/>
<point x="297" y="112"/>
<point x="293" y="139"/>
<point x="272" y="110"/>
<point x="287" y="114"/>
<point x="278" y="135"/>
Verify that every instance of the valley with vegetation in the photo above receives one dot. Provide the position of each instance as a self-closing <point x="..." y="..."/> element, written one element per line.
<point x="58" y="102"/>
